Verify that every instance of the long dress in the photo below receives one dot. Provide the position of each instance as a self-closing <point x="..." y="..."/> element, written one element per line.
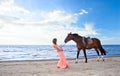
<point x="62" y="63"/>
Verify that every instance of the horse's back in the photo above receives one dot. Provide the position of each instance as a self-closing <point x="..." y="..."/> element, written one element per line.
<point x="96" y="42"/>
<point x="95" y="39"/>
<point x="89" y="41"/>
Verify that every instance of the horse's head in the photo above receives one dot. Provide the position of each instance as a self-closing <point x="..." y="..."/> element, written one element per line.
<point x="69" y="37"/>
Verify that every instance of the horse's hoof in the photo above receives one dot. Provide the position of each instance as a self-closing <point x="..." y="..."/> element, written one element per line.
<point x="76" y="62"/>
<point x="103" y="60"/>
<point x="85" y="61"/>
<point x="98" y="60"/>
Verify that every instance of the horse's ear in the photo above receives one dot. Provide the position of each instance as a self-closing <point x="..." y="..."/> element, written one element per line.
<point x="70" y="33"/>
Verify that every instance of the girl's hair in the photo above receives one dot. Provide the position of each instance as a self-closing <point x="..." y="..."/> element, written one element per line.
<point x="54" y="40"/>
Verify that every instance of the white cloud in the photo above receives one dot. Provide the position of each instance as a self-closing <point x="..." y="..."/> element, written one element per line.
<point x="89" y="28"/>
<point x="10" y="12"/>
<point x="83" y="12"/>
<point x="60" y="17"/>
<point x="9" y="7"/>
<point x="105" y="40"/>
<point x="21" y="26"/>
<point x="6" y="2"/>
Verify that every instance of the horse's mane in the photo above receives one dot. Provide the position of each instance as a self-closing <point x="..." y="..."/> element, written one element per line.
<point x="76" y="35"/>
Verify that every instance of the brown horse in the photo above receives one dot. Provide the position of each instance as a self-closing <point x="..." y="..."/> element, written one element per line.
<point x="86" y="43"/>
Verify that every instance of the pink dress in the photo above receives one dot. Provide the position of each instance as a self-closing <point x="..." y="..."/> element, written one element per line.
<point x="62" y="63"/>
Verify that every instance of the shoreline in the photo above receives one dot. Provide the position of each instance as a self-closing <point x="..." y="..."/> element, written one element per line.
<point x="33" y="60"/>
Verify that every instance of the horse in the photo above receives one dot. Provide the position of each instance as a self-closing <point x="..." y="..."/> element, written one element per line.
<point x="83" y="43"/>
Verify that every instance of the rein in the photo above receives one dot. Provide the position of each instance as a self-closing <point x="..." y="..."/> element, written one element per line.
<point x="63" y="45"/>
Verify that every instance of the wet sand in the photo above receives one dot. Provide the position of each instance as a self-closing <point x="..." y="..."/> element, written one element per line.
<point x="110" y="67"/>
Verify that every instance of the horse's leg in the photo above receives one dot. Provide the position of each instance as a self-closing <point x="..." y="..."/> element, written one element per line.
<point x="103" y="52"/>
<point x="102" y="55"/>
<point x="97" y="54"/>
<point x="102" y="58"/>
<point x="77" y="56"/>
<point x="85" y="55"/>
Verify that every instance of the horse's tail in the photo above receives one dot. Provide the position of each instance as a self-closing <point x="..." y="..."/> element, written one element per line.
<point x="102" y="50"/>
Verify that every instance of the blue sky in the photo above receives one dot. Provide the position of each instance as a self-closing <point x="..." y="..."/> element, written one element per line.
<point x="38" y="21"/>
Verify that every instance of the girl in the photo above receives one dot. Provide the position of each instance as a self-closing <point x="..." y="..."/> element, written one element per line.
<point x="62" y="63"/>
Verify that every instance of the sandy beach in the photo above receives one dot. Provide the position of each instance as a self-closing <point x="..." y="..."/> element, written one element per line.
<point x="110" y="67"/>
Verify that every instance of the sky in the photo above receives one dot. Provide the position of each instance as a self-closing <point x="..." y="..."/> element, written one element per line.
<point x="37" y="22"/>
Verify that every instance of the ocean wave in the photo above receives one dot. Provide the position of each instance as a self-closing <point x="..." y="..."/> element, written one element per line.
<point x="21" y="52"/>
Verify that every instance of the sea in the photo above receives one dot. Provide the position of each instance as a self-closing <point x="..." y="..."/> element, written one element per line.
<point x="47" y="52"/>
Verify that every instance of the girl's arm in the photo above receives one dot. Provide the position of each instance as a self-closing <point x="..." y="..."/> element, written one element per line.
<point x="57" y="48"/>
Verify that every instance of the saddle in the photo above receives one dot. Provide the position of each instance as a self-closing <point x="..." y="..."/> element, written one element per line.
<point x="87" y="41"/>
